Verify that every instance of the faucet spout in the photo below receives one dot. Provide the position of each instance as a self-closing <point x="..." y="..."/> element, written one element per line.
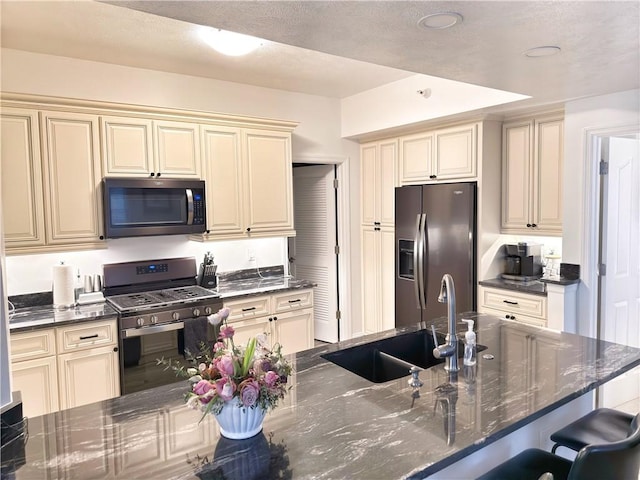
<point x="450" y="349"/>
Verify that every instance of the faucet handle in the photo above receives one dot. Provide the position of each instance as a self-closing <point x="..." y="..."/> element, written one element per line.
<point x="433" y="332"/>
<point x="414" y="381"/>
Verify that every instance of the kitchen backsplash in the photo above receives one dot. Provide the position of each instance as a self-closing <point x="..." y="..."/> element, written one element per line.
<point x="33" y="273"/>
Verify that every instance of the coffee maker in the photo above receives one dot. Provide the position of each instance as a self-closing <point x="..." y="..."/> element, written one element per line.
<point x="523" y="261"/>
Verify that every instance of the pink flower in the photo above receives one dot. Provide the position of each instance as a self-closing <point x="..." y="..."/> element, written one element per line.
<point x="224" y="365"/>
<point x="225" y="388"/>
<point x="202" y="387"/>
<point x="227" y="332"/>
<point x="218" y="318"/>
<point x="218" y="346"/>
<point x="271" y="378"/>
<point x="249" y="393"/>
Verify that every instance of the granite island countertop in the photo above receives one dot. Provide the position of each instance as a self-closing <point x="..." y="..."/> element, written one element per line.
<point x="334" y="424"/>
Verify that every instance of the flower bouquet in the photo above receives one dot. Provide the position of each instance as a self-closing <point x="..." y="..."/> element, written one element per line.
<point x="236" y="383"/>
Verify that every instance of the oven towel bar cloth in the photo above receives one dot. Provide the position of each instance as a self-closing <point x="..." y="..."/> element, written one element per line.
<point x="195" y="332"/>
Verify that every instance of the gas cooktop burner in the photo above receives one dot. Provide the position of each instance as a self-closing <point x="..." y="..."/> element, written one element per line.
<point x="160" y="298"/>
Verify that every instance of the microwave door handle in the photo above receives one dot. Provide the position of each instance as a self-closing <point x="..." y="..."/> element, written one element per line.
<point x="189" y="206"/>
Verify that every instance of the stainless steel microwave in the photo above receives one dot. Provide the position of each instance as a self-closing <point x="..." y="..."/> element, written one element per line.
<point x="135" y="207"/>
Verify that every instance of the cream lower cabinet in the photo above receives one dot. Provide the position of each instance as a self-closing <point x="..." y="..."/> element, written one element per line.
<point x="285" y="318"/>
<point x="83" y="350"/>
<point x="249" y="182"/>
<point x="34" y="371"/>
<point x="378" y="279"/>
<point x="511" y="305"/>
<point x="532" y="173"/>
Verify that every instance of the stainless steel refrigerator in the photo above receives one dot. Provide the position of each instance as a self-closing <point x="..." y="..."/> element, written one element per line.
<point x="435" y="234"/>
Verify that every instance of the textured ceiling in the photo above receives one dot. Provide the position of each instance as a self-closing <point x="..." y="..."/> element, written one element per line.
<point x="350" y="46"/>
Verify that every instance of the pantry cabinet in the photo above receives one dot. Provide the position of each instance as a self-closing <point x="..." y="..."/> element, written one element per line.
<point x="285" y="318"/>
<point x="378" y="162"/>
<point x="442" y="154"/>
<point x="140" y="147"/>
<point x="378" y="278"/>
<point x="532" y="173"/>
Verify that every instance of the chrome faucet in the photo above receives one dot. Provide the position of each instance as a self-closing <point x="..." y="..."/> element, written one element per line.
<point x="449" y="350"/>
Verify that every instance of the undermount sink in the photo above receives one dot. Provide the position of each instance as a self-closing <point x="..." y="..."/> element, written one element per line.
<point x="391" y="358"/>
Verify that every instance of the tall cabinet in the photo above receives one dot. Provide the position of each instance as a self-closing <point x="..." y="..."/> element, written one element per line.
<point x="377" y="187"/>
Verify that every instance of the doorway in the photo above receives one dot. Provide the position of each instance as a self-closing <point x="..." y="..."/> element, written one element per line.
<point x="619" y="259"/>
<point x="313" y="252"/>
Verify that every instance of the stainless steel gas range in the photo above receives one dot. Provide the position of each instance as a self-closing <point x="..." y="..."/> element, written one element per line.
<point x="162" y="313"/>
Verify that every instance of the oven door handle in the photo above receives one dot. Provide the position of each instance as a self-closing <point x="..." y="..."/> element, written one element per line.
<point x="140" y="332"/>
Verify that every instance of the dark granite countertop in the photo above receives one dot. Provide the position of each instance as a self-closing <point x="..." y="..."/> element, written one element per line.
<point x="334" y="424"/>
<point x="560" y="280"/>
<point x="533" y="287"/>
<point x="258" y="282"/>
<point x="44" y="316"/>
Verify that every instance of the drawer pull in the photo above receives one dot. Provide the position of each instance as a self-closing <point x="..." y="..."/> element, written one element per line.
<point x="510" y="302"/>
<point x="248" y="309"/>
<point x="95" y="335"/>
<point x="295" y="301"/>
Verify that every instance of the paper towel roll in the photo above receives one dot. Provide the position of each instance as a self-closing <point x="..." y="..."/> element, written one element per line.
<point x="63" y="294"/>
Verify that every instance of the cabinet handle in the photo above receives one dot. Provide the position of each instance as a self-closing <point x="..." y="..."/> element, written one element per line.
<point x="295" y="301"/>
<point x="275" y="318"/>
<point x="528" y="225"/>
<point x="248" y="309"/>
<point x="248" y="229"/>
<point x="533" y="225"/>
<point x="376" y="229"/>
<point x="95" y="335"/>
<point x="510" y="302"/>
<point x="433" y="177"/>
<point x="376" y="223"/>
<point x="152" y="174"/>
<point x="101" y="237"/>
<point x="115" y="349"/>
<point x="158" y="174"/>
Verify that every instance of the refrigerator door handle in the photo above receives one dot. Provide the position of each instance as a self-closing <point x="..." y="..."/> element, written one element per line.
<point x="416" y="261"/>
<point x="425" y="259"/>
<point x="420" y="271"/>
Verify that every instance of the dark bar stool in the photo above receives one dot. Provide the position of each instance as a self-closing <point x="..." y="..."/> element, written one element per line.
<point x="599" y="426"/>
<point x="618" y="460"/>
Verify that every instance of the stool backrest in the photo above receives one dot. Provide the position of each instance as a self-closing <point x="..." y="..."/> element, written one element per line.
<point x="615" y="460"/>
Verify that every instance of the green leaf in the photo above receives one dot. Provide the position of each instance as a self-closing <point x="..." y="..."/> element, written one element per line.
<point x="248" y="356"/>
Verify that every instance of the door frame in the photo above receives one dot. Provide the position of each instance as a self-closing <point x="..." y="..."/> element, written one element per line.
<point x="343" y="218"/>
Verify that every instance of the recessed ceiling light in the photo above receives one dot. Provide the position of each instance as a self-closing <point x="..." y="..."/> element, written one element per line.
<point x="541" y="51"/>
<point x="230" y="43"/>
<point x="439" y="21"/>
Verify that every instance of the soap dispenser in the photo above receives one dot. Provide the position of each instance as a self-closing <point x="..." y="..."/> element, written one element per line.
<point x="469" y="344"/>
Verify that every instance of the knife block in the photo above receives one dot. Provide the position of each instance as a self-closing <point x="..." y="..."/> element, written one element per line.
<point x="207" y="276"/>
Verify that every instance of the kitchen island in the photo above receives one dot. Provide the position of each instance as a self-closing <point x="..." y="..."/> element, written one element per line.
<point x="334" y="424"/>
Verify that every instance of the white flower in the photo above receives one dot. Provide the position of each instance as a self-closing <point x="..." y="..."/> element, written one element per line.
<point x="192" y="371"/>
<point x="195" y="379"/>
<point x="202" y="367"/>
<point x="193" y="402"/>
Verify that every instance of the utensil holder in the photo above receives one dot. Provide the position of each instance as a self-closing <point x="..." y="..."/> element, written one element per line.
<point x="207" y="276"/>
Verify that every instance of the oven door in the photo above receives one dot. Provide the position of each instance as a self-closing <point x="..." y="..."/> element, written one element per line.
<point x="140" y="350"/>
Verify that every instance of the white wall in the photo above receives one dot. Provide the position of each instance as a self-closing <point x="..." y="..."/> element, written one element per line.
<point x="580" y="200"/>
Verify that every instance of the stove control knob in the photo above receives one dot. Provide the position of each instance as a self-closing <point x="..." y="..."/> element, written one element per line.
<point x="140" y="321"/>
<point x="208" y="310"/>
<point x="175" y="315"/>
<point x="154" y="319"/>
<point x="196" y="312"/>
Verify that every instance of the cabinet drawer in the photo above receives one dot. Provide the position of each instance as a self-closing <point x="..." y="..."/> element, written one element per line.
<point x="248" y="308"/>
<point x="87" y="335"/>
<point x="515" y="303"/>
<point x="536" y="321"/>
<point x="293" y="300"/>
<point x="30" y="345"/>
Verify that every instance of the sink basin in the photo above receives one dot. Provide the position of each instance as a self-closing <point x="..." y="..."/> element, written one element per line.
<point x="391" y="358"/>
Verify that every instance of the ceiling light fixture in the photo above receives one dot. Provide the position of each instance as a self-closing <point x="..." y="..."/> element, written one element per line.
<point x="440" y="21"/>
<point x="230" y="43"/>
<point x="545" y="51"/>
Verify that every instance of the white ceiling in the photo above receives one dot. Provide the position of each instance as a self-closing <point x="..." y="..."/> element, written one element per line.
<point x="364" y="44"/>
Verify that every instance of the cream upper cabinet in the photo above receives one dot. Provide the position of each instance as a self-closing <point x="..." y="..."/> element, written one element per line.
<point x="377" y="182"/>
<point x="443" y="154"/>
<point x="140" y="147"/>
<point x="72" y="176"/>
<point x="532" y="172"/>
<point x="249" y="182"/>
<point x="21" y="179"/>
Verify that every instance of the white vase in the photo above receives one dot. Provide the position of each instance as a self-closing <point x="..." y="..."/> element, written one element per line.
<point x="238" y="422"/>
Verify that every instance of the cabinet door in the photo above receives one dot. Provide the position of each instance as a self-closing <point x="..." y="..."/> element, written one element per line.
<point x="416" y="158"/>
<point x="387" y="182"/>
<point x="79" y="383"/>
<point x="387" y="278"/>
<point x="148" y="450"/>
<point x="547" y="176"/>
<point x="294" y="330"/>
<point x="38" y="382"/>
<point x="72" y="176"/>
<point x="177" y="149"/>
<point x="21" y="179"/>
<point x="127" y="146"/>
<point x="185" y="434"/>
<point x="456" y="152"/>
<point x="370" y="279"/>
<point x="516" y="351"/>
<point x="223" y="173"/>
<point x="247" y="329"/>
<point x="516" y="179"/>
<point x="368" y="183"/>
<point x="269" y="182"/>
